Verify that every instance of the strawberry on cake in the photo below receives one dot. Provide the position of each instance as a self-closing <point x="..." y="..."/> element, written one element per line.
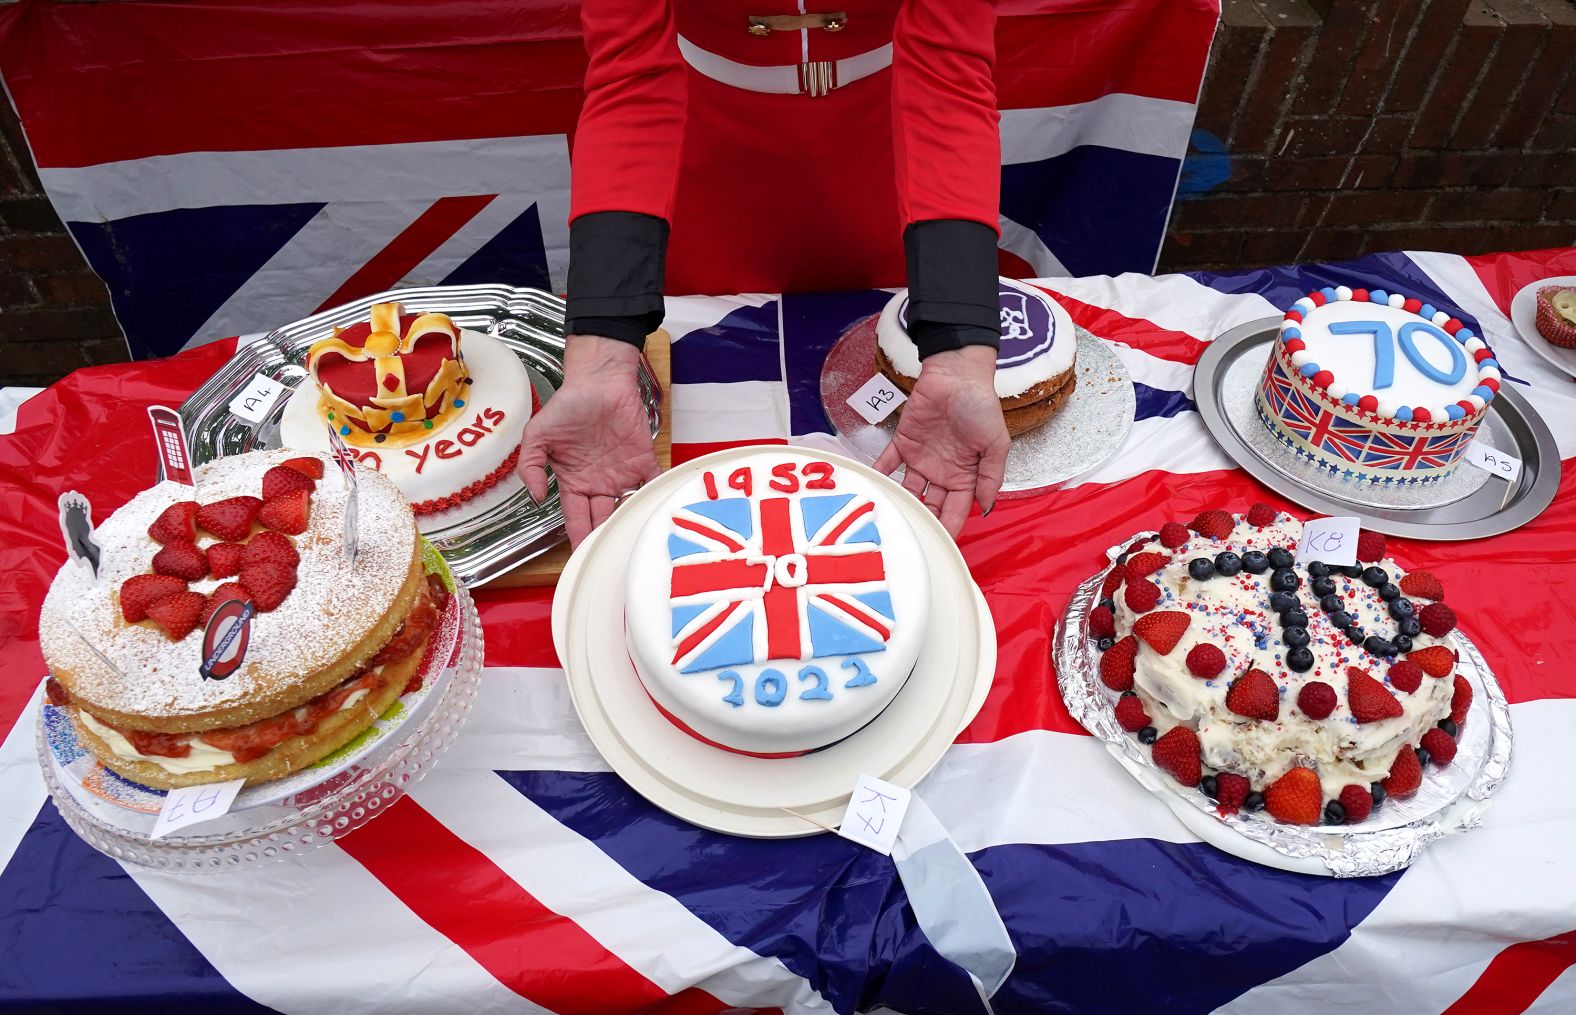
<point x="1311" y="692"/>
<point x="443" y="423"/>
<point x="332" y="642"/>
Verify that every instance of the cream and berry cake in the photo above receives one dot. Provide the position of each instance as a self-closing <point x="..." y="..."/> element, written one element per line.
<point x="1034" y="364"/>
<point x="1376" y="387"/>
<point x="331" y="644"/>
<point x="436" y="409"/>
<point x="1311" y="691"/>
<point x="776" y="604"/>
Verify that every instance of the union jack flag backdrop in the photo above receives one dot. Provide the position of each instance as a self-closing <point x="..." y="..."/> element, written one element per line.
<point x="228" y="167"/>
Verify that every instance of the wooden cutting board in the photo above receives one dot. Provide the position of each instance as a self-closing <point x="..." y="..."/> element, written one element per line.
<point x="545" y="569"/>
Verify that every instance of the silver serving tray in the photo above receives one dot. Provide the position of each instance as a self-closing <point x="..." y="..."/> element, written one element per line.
<point x="503" y="533"/>
<point x="1469" y="504"/>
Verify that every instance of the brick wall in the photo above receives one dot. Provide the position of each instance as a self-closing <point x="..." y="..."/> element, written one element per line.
<point x="1331" y="128"/>
<point x="54" y="312"/>
<point x="1327" y="129"/>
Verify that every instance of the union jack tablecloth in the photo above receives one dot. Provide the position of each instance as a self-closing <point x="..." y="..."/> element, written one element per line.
<point x="523" y="876"/>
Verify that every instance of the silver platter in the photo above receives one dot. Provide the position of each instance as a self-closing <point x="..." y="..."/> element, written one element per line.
<point x="1080" y="437"/>
<point x="1468" y="504"/>
<point x="1451" y="799"/>
<point x="503" y="528"/>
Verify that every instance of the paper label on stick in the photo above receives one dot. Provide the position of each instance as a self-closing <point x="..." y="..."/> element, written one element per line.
<point x="875" y="812"/>
<point x="189" y="805"/>
<point x="347" y="472"/>
<point x="254" y="401"/>
<point x="876" y="399"/>
<point x="1491" y="460"/>
<point x="1332" y="540"/>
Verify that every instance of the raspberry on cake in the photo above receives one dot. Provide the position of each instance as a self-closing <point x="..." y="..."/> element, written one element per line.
<point x="332" y="644"/>
<point x="1035" y="363"/>
<point x="442" y="422"/>
<point x="1302" y="681"/>
<point x="1376" y="387"/>
<point x="776" y="603"/>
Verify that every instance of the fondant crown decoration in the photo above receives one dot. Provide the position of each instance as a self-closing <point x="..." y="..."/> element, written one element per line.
<point x="378" y="388"/>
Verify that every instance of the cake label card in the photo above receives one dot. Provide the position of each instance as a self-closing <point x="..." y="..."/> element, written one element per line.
<point x="1332" y="540"/>
<point x="76" y="526"/>
<point x="1492" y="460"/>
<point x="170" y="438"/>
<point x="189" y="805"/>
<point x="254" y="401"/>
<point x="876" y="399"/>
<point x="875" y="813"/>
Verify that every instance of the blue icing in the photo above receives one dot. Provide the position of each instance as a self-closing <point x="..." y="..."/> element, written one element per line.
<point x="678" y="547"/>
<point x="1309" y="369"/>
<point x="736" y="646"/>
<point x="1291" y="333"/>
<point x="831" y="637"/>
<point x="734" y="512"/>
<point x="683" y="614"/>
<point x="1464" y="334"/>
<point x="818" y="509"/>
<point x="1455" y="412"/>
<point x="866" y="533"/>
<point x="1427" y="311"/>
<point x="1328" y="293"/>
<point x="1489" y="363"/>
<point x="1350" y="398"/>
<point x="1378" y="296"/>
<point x="878" y="601"/>
<point x="1404" y="414"/>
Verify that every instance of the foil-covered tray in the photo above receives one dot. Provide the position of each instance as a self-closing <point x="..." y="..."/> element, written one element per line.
<point x="1451" y="799"/>
<point x="1468" y="504"/>
<point x="481" y="539"/>
<point x="1080" y="437"/>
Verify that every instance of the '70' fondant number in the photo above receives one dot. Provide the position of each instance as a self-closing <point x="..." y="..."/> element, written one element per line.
<point x="771" y="687"/>
<point x="1384" y="350"/>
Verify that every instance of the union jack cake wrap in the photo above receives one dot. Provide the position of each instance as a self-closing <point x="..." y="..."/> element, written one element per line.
<point x="1376" y="387"/>
<point x="776" y="604"/>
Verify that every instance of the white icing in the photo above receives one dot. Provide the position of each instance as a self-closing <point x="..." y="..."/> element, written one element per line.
<point x="1012" y="380"/>
<point x="1474" y="343"/>
<point x="1351" y="357"/>
<point x="1232" y="614"/>
<point x="328" y="612"/>
<point x="499" y="383"/>
<point x="204" y="757"/>
<point x="1343" y="292"/>
<point x="796" y="724"/>
<point x="1397" y="300"/>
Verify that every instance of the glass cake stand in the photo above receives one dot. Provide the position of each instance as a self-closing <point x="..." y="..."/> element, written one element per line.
<point x="274" y="820"/>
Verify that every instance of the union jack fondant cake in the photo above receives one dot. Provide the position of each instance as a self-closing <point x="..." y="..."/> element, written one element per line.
<point x="1376" y="387"/>
<point x="776" y="605"/>
<point x="1313" y="692"/>
<point x="442" y="421"/>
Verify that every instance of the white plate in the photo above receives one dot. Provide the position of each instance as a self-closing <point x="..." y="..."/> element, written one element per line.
<point x="734" y="793"/>
<point x="1523" y="314"/>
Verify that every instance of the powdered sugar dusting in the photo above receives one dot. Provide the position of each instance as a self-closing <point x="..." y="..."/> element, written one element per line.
<point x="330" y="609"/>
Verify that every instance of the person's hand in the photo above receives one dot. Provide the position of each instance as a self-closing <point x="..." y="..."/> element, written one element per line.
<point x="951" y="437"/>
<point x="594" y="432"/>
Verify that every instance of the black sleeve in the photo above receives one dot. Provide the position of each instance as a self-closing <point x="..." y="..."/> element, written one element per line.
<point x="616" y="265"/>
<point x="952" y="274"/>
